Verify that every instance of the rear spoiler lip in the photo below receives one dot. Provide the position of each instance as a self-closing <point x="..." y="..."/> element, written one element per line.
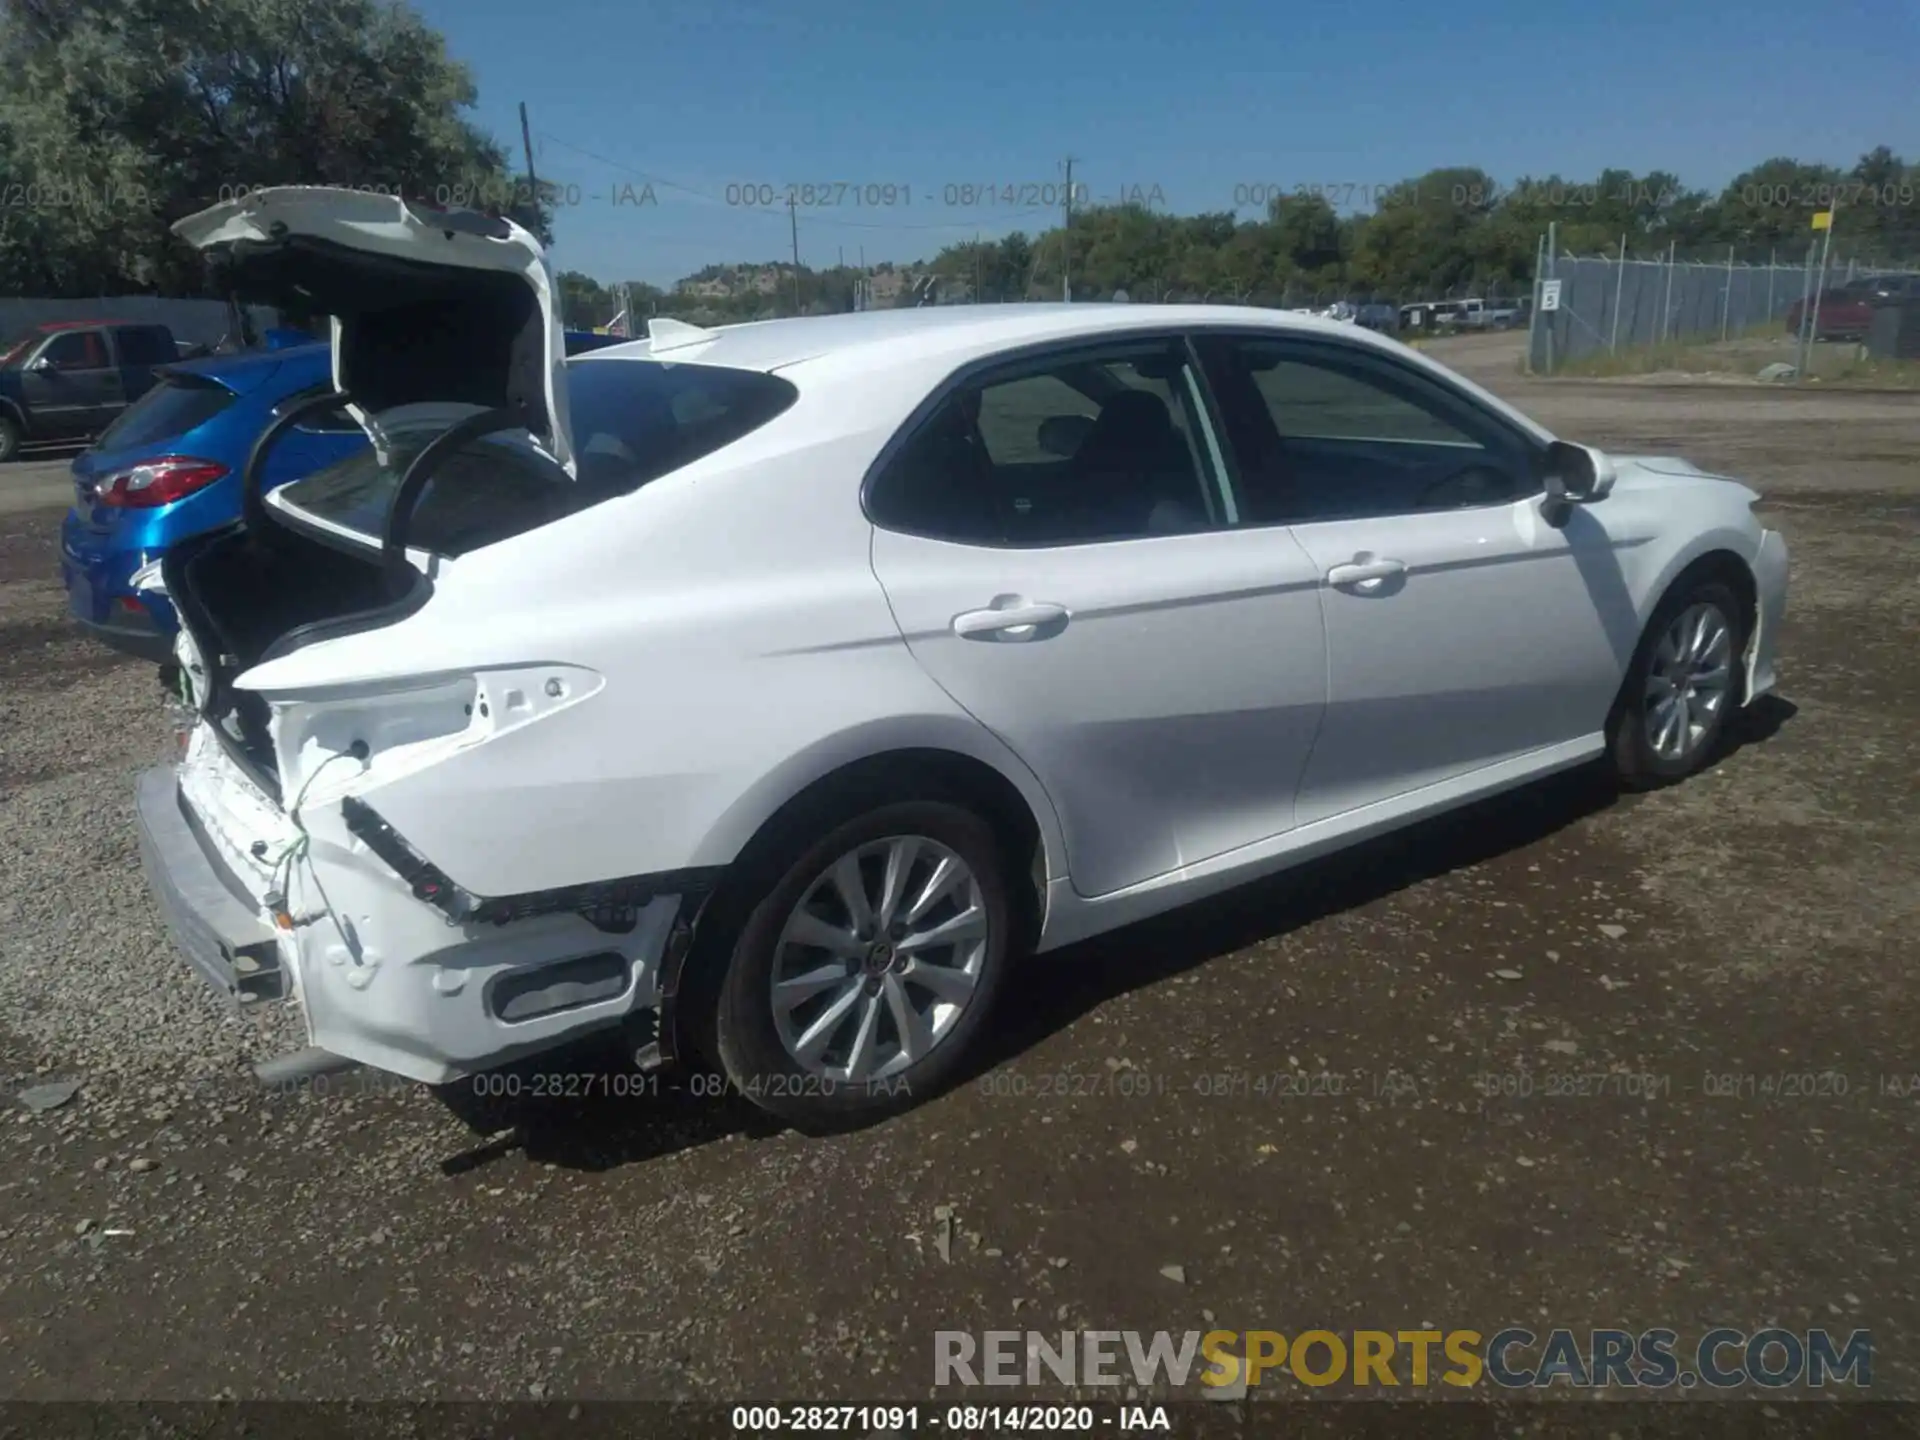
<point x="176" y="372"/>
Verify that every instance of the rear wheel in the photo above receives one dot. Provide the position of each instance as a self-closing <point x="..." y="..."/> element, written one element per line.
<point x="1682" y="688"/>
<point x="9" y="438"/>
<point x="866" y="969"/>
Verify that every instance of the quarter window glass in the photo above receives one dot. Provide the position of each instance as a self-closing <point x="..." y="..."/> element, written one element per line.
<point x="144" y="345"/>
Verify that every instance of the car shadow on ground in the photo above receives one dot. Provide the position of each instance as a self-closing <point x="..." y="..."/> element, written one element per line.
<point x="588" y="1109"/>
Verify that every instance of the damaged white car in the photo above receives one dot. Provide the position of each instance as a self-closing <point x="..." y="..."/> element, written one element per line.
<point x="767" y="692"/>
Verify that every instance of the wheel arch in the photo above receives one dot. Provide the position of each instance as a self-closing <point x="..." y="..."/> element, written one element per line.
<point x="1720" y="557"/>
<point x="15" y="412"/>
<point x="935" y="756"/>
<point x="1717" y="557"/>
<point x="948" y="759"/>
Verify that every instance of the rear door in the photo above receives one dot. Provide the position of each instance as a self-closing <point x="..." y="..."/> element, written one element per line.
<point x="1054" y="537"/>
<point x="1462" y="629"/>
<point x="141" y="348"/>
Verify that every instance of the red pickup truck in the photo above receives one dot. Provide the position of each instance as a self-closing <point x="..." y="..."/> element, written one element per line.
<point x="1847" y="310"/>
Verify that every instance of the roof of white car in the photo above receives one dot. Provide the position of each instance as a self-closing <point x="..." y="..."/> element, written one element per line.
<point x="888" y="337"/>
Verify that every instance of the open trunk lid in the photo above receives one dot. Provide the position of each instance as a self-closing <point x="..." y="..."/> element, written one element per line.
<point x="429" y="306"/>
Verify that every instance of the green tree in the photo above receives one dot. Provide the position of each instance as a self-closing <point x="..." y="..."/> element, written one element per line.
<point x="132" y="113"/>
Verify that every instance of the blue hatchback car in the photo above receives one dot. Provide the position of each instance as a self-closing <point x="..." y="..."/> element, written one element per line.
<point x="170" y="467"/>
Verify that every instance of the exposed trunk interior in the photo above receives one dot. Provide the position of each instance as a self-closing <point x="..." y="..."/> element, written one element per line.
<point x="410" y="330"/>
<point x="245" y="594"/>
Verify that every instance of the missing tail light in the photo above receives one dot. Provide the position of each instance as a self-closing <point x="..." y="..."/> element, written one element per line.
<point x="158" y="482"/>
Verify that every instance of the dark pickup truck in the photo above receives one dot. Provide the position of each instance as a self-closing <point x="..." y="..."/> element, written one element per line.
<point x="69" y="380"/>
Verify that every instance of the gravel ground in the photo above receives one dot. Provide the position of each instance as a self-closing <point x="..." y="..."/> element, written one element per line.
<point x="169" y="1232"/>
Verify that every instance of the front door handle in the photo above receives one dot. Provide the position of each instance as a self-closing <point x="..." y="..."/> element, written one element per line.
<point x="1016" y="621"/>
<point x="1367" y="573"/>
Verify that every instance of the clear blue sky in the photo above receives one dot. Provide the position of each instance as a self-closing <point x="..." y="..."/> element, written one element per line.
<point x="1195" y="98"/>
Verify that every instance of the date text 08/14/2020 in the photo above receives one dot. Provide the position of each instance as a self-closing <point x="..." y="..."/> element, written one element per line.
<point x="970" y="1419"/>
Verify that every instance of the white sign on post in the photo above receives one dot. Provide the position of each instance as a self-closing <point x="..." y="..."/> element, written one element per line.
<point x="1549" y="294"/>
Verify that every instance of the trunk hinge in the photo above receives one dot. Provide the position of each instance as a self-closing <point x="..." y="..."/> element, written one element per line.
<point x="253" y="503"/>
<point x="401" y="576"/>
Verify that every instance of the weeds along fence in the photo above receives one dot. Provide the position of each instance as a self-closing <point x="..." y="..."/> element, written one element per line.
<point x="1610" y="304"/>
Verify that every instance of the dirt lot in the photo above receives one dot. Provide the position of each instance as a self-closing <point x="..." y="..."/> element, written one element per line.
<point x="172" y="1233"/>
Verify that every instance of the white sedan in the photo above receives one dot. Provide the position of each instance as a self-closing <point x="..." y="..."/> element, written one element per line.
<point x="770" y="692"/>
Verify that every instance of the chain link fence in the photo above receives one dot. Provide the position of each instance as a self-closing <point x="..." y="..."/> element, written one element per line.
<point x="1613" y="304"/>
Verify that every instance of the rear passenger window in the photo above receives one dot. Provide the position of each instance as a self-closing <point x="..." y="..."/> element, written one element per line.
<point x="1077" y="449"/>
<point x="146" y="345"/>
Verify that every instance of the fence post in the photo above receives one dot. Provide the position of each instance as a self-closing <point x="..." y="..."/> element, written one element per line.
<point x="1806" y="307"/>
<point x="1553" y="266"/>
<point x="1826" y="248"/>
<point x="1772" y="256"/>
<point x="1619" y="289"/>
<point x="1726" y="303"/>
<point x="1533" y="313"/>
<point x="1666" y="305"/>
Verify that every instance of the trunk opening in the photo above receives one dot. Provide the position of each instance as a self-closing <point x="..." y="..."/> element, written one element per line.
<point x="247" y="594"/>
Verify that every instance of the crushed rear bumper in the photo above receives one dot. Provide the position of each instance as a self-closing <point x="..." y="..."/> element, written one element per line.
<point x="213" y="920"/>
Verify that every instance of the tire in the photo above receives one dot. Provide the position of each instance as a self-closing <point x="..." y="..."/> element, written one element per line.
<point x="1650" y="745"/>
<point x="758" y="1041"/>
<point x="10" y="438"/>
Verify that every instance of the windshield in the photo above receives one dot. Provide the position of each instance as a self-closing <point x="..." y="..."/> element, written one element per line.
<point x="176" y="405"/>
<point x="18" y="346"/>
<point x="632" y="420"/>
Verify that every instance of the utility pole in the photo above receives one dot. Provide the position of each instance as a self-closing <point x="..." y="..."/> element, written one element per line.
<point x="793" y="222"/>
<point x="976" y="267"/>
<point x="533" y="184"/>
<point x="1066" y="239"/>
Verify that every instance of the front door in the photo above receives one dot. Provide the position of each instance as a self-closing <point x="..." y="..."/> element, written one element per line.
<point x="1055" y="543"/>
<point x="1462" y="629"/>
<point x="76" y="390"/>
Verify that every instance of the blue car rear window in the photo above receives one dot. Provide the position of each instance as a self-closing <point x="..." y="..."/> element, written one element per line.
<point x="174" y="406"/>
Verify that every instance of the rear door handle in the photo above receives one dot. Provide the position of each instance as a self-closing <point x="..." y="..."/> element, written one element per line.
<point x="1365" y="574"/>
<point x="1012" y="622"/>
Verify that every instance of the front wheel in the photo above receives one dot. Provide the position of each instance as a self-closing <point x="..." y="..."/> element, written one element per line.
<point x="863" y="976"/>
<point x="9" y="438"/>
<point x="1682" y="688"/>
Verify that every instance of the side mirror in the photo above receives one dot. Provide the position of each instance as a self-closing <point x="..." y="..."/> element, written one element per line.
<point x="41" y="366"/>
<point x="1063" y="435"/>
<point x="1577" y="474"/>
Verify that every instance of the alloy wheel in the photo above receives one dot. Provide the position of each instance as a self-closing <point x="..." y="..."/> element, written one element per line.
<point x="1688" y="682"/>
<point x="879" y="959"/>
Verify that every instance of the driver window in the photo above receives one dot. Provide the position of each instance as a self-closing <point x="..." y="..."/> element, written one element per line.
<point x="1325" y="433"/>
<point x="81" y="350"/>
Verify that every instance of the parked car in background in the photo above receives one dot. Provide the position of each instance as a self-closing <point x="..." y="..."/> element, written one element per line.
<point x="70" y="379"/>
<point x="1893" y="287"/>
<point x="170" y="467"/>
<point x="1845" y="312"/>
<point x="769" y="693"/>
<point x="1383" y="319"/>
